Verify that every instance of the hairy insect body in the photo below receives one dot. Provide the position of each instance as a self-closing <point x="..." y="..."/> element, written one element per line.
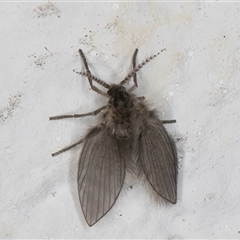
<point x="122" y="112"/>
<point x="128" y="133"/>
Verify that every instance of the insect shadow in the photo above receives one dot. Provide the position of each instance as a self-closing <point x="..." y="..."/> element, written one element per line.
<point x="128" y="133"/>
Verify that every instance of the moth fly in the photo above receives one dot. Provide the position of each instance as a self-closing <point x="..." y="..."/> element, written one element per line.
<point x="127" y="128"/>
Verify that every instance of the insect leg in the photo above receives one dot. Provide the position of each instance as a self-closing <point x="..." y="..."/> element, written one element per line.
<point x="134" y="66"/>
<point x="126" y="79"/>
<point x="67" y="148"/>
<point x="94" y="113"/>
<point x="163" y="121"/>
<point x="134" y="72"/>
<point x="89" y="75"/>
<point x="169" y="121"/>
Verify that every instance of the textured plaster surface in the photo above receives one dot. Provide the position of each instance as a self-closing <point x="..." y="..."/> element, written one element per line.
<point x="195" y="81"/>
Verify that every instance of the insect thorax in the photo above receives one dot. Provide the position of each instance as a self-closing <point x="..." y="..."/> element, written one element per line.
<point x="120" y="106"/>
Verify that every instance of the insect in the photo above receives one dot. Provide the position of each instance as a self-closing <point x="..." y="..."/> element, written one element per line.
<point x="127" y="128"/>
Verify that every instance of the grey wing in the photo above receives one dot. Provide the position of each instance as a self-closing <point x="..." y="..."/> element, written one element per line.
<point x="158" y="158"/>
<point x="100" y="174"/>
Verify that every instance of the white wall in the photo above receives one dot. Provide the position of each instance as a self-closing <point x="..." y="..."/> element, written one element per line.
<point x="195" y="81"/>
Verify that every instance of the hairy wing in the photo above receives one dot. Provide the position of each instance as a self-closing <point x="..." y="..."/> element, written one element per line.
<point x="100" y="174"/>
<point x="158" y="158"/>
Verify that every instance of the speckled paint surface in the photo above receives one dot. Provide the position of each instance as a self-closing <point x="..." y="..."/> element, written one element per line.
<point x="195" y="81"/>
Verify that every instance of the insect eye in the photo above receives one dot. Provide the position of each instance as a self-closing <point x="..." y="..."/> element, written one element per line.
<point x="110" y="92"/>
<point x="116" y="90"/>
<point x="125" y="96"/>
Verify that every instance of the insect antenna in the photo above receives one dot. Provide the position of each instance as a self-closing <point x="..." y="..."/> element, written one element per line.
<point x="99" y="81"/>
<point x="126" y="79"/>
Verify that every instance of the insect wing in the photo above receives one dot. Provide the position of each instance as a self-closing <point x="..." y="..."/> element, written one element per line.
<point x="100" y="174"/>
<point x="158" y="158"/>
